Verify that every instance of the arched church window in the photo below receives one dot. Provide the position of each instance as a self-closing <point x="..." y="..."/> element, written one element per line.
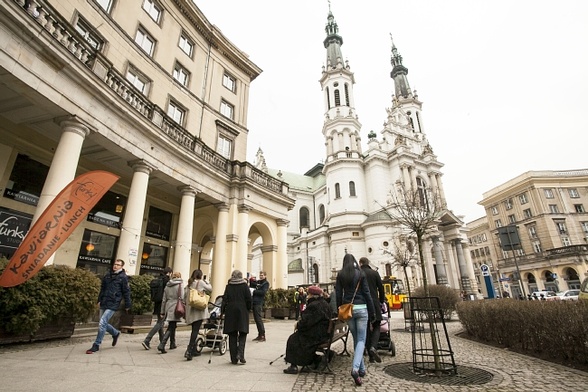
<point x="352" y="188"/>
<point x="304" y="214"/>
<point x="337" y="191"/>
<point x="422" y="192"/>
<point x="346" y="94"/>
<point x="328" y="98"/>
<point x="321" y="213"/>
<point x="337" y="98"/>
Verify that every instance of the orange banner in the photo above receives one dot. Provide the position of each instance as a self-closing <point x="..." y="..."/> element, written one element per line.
<point x="58" y="221"/>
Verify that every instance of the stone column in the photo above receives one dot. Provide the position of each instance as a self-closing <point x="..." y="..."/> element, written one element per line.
<point x="221" y="267"/>
<point x="281" y="269"/>
<point x="130" y="233"/>
<point x="63" y="166"/>
<point x="463" y="270"/>
<point x="439" y="262"/>
<point x="240" y="260"/>
<point x="184" y="233"/>
<point x="405" y="177"/>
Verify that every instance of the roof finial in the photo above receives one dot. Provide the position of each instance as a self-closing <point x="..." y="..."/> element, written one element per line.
<point x="329" y="1"/>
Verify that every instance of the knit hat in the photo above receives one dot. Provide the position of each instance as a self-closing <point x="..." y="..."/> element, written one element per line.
<point x="315" y="290"/>
<point x="237" y="275"/>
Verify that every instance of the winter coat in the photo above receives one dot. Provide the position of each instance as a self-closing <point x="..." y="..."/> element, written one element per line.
<point x="157" y="304"/>
<point x="170" y="299"/>
<point x="376" y="289"/>
<point x="114" y="288"/>
<point x="363" y="296"/>
<point x="261" y="287"/>
<point x="193" y="314"/>
<point x="311" y="331"/>
<point x="235" y="308"/>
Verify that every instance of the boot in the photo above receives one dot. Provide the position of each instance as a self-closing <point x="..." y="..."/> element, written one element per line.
<point x="188" y="353"/>
<point x="172" y="342"/>
<point x="161" y="347"/>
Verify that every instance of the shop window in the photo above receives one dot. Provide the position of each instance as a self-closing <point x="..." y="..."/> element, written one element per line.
<point x="153" y="258"/>
<point x="109" y="210"/>
<point x="97" y="251"/>
<point x="159" y="224"/>
<point x="26" y="180"/>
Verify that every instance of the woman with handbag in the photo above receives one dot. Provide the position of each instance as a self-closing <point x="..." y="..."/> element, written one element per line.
<point x="352" y="287"/>
<point x="172" y="294"/>
<point x="194" y="316"/>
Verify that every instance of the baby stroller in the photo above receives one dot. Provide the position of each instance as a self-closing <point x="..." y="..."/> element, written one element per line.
<point x="385" y="342"/>
<point x="211" y="333"/>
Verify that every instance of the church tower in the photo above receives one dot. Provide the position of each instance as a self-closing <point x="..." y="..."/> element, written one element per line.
<point x="343" y="168"/>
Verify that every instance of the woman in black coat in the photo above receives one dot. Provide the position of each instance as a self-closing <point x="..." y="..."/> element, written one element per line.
<point x="311" y="331"/>
<point x="235" y="308"/>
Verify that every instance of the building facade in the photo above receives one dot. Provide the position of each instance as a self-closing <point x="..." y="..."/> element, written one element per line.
<point x="339" y="203"/>
<point x="543" y="215"/>
<point x="153" y="92"/>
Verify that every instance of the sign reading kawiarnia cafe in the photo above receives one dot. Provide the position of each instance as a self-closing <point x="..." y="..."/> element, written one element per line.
<point x="56" y="223"/>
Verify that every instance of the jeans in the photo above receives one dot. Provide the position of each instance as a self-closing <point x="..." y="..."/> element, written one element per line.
<point x="157" y="328"/>
<point x="258" y="321"/>
<point x="358" y="325"/>
<point x="103" y="326"/>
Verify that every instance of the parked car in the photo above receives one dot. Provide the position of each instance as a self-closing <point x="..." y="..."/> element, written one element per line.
<point x="547" y="295"/>
<point x="568" y="295"/>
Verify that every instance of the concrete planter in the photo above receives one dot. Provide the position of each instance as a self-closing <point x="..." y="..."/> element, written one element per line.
<point x="61" y="328"/>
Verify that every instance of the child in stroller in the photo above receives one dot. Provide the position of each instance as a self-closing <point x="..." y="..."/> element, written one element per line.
<point x="385" y="342"/>
<point x="211" y="334"/>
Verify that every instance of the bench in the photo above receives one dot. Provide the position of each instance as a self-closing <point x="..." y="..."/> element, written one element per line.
<point x="338" y="330"/>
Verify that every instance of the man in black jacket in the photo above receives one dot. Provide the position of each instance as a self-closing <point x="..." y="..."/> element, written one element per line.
<point x="258" y="298"/>
<point x="157" y="297"/>
<point x="378" y="297"/>
<point x="114" y="289"/>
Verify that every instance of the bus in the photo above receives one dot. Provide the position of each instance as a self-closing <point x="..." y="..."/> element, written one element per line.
<point x="394" y="290"/>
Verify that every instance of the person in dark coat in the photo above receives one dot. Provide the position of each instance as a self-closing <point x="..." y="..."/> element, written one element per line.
<point x="114" y="289"/>
<point x="378" y="297"/>
<point x="352" y="287"/>
<point x="235" y="308"/>
<point x="171" y="295"/>
<point x="311" y="330"/>
<point x="258" y="295"/>
<point x="158" y="327"/>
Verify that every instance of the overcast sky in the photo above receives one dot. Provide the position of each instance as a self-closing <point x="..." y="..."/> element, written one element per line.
<point x="504" y="84"/>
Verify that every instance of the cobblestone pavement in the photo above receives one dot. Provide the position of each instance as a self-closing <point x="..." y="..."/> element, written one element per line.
<point x="63" y="365"/>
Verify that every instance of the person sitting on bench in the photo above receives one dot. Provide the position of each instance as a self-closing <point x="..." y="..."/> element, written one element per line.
<point x="310" y="332"/>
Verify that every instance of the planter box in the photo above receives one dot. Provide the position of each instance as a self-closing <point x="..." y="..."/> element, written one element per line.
<point x="62" y="328"/>
<point x="280" y="313"/>
<point x="128" y="322"/>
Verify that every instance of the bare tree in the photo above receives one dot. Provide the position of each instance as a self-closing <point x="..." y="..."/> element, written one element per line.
<point x="403" y="256"/>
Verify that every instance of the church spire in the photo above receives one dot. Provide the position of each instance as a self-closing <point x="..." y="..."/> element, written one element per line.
<point x="333" y="42"/>
<point x="398" y="74"/>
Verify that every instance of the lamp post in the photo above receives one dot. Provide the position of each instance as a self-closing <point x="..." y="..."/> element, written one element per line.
<point x="510" y="240"/>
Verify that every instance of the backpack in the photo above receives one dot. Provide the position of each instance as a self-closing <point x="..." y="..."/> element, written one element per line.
<point x="157" y="288"/>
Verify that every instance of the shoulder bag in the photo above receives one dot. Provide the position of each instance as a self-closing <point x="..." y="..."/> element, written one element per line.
<point x="198" y="299"/>
<point x="180" y="310"/>
<point x="345" y="311"/>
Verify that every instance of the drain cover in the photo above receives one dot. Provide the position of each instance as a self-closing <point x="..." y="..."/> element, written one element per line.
<point x="465" y="375"/>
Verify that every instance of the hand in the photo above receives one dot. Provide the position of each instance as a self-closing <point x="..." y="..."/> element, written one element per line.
<point x="127" y="310"/>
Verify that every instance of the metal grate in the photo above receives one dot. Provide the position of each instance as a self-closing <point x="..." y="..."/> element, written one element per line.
<point x="465" y="375"/>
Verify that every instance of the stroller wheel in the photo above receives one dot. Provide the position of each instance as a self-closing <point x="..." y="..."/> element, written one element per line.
<point x="392" y="348"/>
<point x="199" y="344"/>
<point x="222" y="348"/>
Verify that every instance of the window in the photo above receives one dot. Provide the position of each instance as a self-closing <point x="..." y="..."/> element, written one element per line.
<point x="346" y="94"/>
<point x="186" y="44"/>
<point x="508" y="204"/>
<point x="494" y="210"/>
<point x="229" y="82"/>
<point x="561" y="227"/>
<point x="537" y="247"/>
<point x="97" y="251"/>
<point x="523" y="198"/>
<point x="511" y="218"/>
<point x="145" y="41"/>
<point x="26" y="180"/>
<point x="106" y="5"/>
<point x="579" y="207"/>
<point x="565" y="241"/>
<point x="422" y="190"/>
<point x="176" y="112"/>
<point x="585" y="227"/>
<point x="574" y="193"/>
<point x="337" y="98"/>
<point x="89" y="34"/>
<point x="153" y="9"/>
<point x="159" y="224"/>
<point x="224" y="146"/>
<point x="498" y="223"/>
<point x="527" y="213"/>
<point x="227" y="109"/>
<point x="553" y="208"/>
<point x="321" y="213"/>
<point x="352" y="188"/>
<point x="181" y="74"/>
<point x="109" y="210"/>
<point x="548" y="193"/>
<point x="304" y="217"/>
<point x="337" y="191"/>
<point x="138" y="80"/>
<point x="533" y="231"/>
<point x="153" y="259"/>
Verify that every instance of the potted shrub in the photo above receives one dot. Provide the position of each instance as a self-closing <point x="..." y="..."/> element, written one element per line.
<point x="48" y="305"/>
<point x="280" y="301"/>
<point x="142" y="307"/>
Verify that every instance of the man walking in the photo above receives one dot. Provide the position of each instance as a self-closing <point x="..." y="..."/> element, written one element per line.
<point x="114" y="289"/>
<point x="157" y="287"/>
<point x="258" y="298"/>
<point x="378" y="297"/>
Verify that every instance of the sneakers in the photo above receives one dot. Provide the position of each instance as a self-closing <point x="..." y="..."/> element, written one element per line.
<point x="161" y="348"/>
<point x="93" y="349"/>
<point x="356" y="378"/>
<point x="146" y="345"/>
<point x="374" y="354"/>
<point x="361" y="373"/>
<point x="292" y="369"/>
<point x="115" y="339"/>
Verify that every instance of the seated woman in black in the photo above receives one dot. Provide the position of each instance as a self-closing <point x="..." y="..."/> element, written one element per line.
<point x="311" y="330"/>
